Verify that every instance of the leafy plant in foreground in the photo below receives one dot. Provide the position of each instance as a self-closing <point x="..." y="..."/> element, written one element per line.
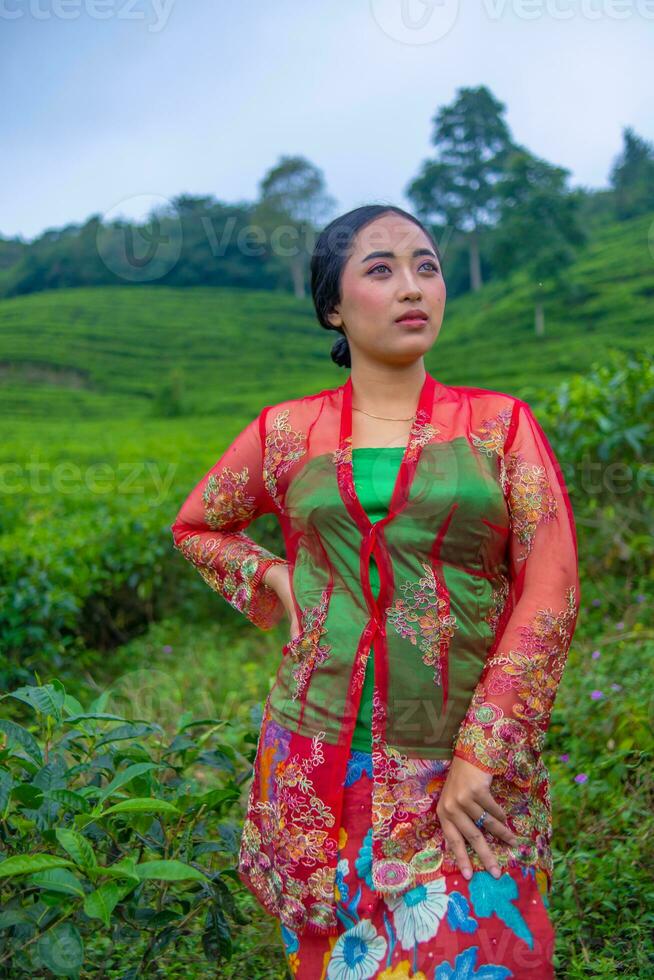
<point x="115" y="841"/>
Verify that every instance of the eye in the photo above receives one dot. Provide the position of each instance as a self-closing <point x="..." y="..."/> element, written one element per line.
<point x="383" y="265"/>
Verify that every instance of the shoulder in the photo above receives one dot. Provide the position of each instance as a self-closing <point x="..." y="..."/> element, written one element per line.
<point x="302" y="407"/>
<point x="491" y="418"/>
<point x="485" y="400"/>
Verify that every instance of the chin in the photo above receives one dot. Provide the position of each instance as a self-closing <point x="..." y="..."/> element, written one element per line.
<point x="417" y="344"/>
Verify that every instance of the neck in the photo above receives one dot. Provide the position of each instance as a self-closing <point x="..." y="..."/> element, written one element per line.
<point x="387" y="390"/>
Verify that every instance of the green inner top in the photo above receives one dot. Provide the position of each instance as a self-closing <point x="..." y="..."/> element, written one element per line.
<point x="374" y="470"/>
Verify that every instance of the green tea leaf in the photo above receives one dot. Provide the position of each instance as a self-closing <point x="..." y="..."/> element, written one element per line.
<point x="61" y="949"/>
<point x="101" y="903"/>
<point x="21" y="864"/>
<point x="72" y="801"/>
<point x="17" y="735"/>
<point x="141" y="805"/>
<point x="169" y="871"/>
<point x="122" y="778"/>
<point x="78" y="847"/>
<point x="46" y="699"/>
<point x="58" y="880"/>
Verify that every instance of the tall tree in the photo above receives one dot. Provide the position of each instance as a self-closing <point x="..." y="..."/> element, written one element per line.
<point x="457" y="189"/>
<point x="539" y="227"/>
<point x="293" y="202"/>
<point x="632" y="177"/>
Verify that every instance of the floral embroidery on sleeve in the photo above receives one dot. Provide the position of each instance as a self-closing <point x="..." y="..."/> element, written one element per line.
<point x="284" y="446"/>
<point x="226" y="500"/>
<point x="504" y="728"/>
<point x="535" y="669"/>
<point x="209" y="530"/>
<point x="498" y="599"/>
<point x="506" y="741"/>
<point x="492" y="438"/>
<point x="493" y="433"/>
<point x="530" y="498"/>
<point x="234" y="567"/>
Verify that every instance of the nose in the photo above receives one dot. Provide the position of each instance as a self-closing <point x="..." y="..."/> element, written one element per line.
<point x="410" y="289"/>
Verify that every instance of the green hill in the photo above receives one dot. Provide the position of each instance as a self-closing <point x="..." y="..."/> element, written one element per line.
<point x="110" y="353"/>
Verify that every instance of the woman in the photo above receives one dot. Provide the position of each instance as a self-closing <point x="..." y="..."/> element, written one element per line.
<point x="398" y="822"/>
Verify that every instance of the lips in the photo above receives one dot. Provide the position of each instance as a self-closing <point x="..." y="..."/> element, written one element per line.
<point x="412" y="315"/>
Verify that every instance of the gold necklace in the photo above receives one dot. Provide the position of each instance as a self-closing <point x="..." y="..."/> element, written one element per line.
<point x="383" y="417"/>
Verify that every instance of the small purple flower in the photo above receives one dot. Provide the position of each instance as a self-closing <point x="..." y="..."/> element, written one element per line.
<point x="597" y="602"/>
<point x="596" y="695"/>
<point x="564" y="757"/>
<point x="620" y="625"/>
<point x="167" y="648"/>
<point x="581" y="777"/>
<point x="640" y="597"/>
<point x="616" y="687"/>
<point x="595" y="654"/>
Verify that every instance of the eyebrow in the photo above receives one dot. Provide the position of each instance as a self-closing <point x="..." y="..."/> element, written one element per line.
<point x="392" y="255"/>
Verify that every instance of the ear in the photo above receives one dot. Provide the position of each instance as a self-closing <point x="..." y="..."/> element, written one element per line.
<point x="335" y="318"/>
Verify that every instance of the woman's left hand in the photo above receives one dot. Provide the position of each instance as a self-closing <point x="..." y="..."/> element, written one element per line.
<point x="465" y="794"/>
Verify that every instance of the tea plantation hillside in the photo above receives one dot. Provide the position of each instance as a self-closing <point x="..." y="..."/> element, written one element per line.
<point x="126" y="352"/>
<point x="115" y="401"/>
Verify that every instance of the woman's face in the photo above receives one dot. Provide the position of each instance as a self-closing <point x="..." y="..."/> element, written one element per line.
<point x="377" y="289"/>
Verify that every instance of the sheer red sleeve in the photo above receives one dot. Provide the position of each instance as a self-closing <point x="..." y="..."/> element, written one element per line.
<point x="509" y="713"/>
<point x="209" y="528"/>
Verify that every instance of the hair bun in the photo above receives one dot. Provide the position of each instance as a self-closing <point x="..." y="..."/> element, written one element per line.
<point x="340" y="352"/>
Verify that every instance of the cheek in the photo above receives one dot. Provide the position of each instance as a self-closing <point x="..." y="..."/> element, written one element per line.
<point x="438" y="293"/>
<point x="373" y="304"/>
<point x="369" y="301"/>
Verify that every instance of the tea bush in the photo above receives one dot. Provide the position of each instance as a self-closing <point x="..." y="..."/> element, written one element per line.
<point x="118" y="841"/>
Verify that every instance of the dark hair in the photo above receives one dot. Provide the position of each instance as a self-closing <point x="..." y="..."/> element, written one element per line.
<point x="330" y="254"/>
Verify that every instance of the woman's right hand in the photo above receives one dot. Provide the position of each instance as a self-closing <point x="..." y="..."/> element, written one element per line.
<point x="465" y="794"/>
<point x="277" y="577"/>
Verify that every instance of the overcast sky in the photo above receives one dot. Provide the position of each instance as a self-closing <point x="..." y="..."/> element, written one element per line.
<point x="106" y="104"/>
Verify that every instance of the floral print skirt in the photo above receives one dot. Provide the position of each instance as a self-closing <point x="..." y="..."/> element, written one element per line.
<point x="483" y="928"/>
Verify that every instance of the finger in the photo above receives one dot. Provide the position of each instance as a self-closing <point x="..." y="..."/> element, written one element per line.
<point x="477" y="840"/>
<point x="495" y="819"/>
<point x="485" y="798"/>
<point x="457" y="845"/>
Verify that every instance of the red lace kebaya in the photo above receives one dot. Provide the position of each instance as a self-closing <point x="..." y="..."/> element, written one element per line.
<point x="477" y="605"/>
